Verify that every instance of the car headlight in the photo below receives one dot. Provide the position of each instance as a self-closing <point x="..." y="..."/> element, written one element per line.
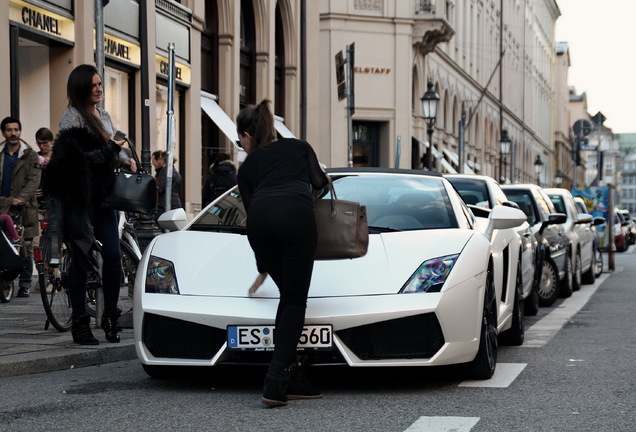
<point x="430" y="276"/>
<point x="160" y="277"/>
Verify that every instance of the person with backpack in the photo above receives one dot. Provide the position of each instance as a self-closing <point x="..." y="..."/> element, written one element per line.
<point x="222" y="177"/>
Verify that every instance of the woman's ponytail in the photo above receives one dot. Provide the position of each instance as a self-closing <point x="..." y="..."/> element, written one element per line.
<point x="258" y="121"/>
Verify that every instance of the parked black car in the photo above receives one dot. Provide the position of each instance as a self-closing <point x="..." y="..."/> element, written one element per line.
<point x="553" y="248"/>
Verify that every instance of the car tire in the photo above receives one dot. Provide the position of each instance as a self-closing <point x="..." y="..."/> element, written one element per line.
<point x="567" y="283"/>
<point x="531" y="303"/>
<point x="576" y="272"/>
<point x="598" y="270"/>
<point x="483" y="366"/>
<point x="549" y="284"/>
<point x="6" y="291"/>
<point x="590" y="275"/>
<point x="516" y="333"/>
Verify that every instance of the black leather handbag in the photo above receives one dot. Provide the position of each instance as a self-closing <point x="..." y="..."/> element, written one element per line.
<point x="134" y="192"/>
<point x="343" y="231"/>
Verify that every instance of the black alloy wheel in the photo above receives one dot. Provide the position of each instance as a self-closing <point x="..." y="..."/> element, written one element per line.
<point x="483" y="366"/>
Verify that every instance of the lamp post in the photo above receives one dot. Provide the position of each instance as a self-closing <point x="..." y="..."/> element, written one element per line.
<point x="558" y="179"/>
<point x="430" y="99"/>
<point x="538" y="167"/>
<point x="505" y="143"/>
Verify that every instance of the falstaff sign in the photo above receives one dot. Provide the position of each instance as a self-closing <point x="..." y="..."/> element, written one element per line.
<point x="42" y="20"/>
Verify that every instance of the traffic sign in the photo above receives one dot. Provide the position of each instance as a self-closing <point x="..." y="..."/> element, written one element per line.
<point x="582" y="127"/>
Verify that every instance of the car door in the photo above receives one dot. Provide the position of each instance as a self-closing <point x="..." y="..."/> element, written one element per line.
<point x="554" y="233"/>
<point x="584" y="233"/>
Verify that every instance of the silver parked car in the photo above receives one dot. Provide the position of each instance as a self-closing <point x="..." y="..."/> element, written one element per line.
<point x="579" y="232"/>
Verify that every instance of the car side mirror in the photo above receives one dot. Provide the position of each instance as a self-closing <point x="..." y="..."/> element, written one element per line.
<point x="511" y="204"/>
<point x="598" y="221"/>
<point x="584" y="218"/>
<point x="502" y="217"/>
<point x="173" y="220"/>
<point x="553" y="219"/>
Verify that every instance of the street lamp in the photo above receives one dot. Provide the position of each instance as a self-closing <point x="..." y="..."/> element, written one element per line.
<point x="538" y="167"/>
<point x="558" y="179"/>
<point x="505" y="143"/>
<point x="430" y="99"/>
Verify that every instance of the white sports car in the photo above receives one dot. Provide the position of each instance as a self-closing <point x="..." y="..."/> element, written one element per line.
<point x="425" y="294"/>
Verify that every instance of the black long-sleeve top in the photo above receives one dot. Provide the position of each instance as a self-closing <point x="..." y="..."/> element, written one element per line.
<point x="286" y="167"/>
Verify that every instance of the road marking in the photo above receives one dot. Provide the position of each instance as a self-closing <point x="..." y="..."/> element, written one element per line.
<point x="443" y="424"/>
<point x="544" y="330"/>
<point x="504" y="375"/>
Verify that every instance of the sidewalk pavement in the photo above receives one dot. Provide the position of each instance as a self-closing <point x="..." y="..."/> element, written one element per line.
<point x="26" y="348"/>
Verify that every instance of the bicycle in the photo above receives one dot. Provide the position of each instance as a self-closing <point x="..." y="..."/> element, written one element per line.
<point x="53" y="260"/>
<point x="130" y="257"/>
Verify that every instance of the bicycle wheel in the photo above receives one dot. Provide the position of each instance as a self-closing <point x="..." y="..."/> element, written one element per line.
<point x="53" y="290"/>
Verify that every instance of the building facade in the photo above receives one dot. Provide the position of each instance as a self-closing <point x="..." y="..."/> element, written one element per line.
<point x="227" y="54"/>
<point x="494" y="70"/>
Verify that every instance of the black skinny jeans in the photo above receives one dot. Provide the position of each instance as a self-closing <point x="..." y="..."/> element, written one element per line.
<point x="105" y="228"/>
<point x="282" y="233"/>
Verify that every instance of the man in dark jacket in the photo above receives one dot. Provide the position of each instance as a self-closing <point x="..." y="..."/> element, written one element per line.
<point x="20" y="173"/>
<point x="159" y="159"/>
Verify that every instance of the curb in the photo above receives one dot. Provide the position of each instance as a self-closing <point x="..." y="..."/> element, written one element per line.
<point x="65" y="357"/>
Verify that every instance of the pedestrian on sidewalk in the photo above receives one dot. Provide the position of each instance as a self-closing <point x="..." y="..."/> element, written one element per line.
<point x="19" y="178"/>
<point x="79" y="176"/>
<point x="276" y="183"/>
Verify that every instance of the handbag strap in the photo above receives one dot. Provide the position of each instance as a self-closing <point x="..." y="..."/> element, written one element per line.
<point x="332" y="190"/>
<point x="133" y="150"/>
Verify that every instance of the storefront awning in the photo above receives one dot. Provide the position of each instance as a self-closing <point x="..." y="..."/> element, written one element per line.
<point x="281" y="128"/>
<point x="219" y="117"/>
<point x="437" y="155"/>
<point x="452" y="156"/>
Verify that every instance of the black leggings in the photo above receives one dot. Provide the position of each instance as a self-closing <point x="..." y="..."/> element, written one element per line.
<point x="282" y="233"/>
<point x="105" y="229"/>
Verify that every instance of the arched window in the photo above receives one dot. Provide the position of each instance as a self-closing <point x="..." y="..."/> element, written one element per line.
<point x="279" y="77"/>
<point x="248" y="54"/>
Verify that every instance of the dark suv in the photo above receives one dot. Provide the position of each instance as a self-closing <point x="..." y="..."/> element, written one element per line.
<point x="553" y="246"/>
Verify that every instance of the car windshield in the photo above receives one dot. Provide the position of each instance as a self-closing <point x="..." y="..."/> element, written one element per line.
<point x="558" y="202"/>
<point x="524" y="201"/>
<point x="226" y="214"/>
<point x="472" y="191"/>
<point x="398" y="202"/>
<point x="394" y="203"/>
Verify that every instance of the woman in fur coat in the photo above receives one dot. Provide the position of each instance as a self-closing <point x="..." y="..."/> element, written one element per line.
<point x="80" y="175"/>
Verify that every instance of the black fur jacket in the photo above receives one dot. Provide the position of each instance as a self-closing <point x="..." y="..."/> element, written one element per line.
<point x="78" y="177"/>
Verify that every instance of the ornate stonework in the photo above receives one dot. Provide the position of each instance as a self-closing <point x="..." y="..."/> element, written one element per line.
<point x="372" y="5"/>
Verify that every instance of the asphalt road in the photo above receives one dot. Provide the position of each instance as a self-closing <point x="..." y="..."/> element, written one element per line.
<point x="575" y="373"/>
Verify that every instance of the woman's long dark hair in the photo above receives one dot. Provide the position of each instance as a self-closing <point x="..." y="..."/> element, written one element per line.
<point x="258" y="121"/>
<point x="78" y="91"/>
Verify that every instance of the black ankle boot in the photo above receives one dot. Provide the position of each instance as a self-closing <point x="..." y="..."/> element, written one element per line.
<point x="275" y="387"/>
<point x="299" y="386"/>
<point x="109" y="325"/>
<point x="81" y="331"/>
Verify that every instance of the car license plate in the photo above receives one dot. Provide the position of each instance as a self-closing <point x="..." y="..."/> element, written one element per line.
<point x="261" y="338"/>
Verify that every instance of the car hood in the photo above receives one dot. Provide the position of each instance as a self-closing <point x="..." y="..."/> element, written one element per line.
<point x="219" y="264"/>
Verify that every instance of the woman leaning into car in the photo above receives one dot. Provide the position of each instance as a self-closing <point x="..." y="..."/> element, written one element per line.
<point x="275" y="182"/>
